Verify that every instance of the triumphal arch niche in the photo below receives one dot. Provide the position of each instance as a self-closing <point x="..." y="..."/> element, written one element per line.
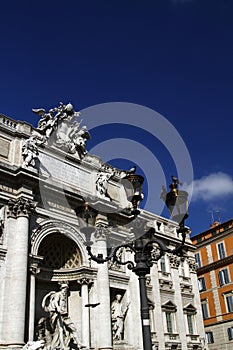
<point x="52" y="296"/>
<point x="61" y="279"/>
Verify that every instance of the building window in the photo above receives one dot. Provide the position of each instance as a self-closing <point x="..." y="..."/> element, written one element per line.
<point x="182" y="269"/>
<point x="198" y="259"/>
<point x="229" y="302"/>
<point x="169" y="310"/>
<point x="230" y="333"/>
<point x="190" y="312"/>
<point x="209" y="337"/>
<point x="205" y="308"/>
<point x="201" y="284"/>
<point x="223" y="276"/>
<point x="190" y="324"/>
<point x="169" y="321"/>
<point x="221" y="250"/>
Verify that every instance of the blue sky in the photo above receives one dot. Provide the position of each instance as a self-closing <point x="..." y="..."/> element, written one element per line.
<point x="171" y="56"/>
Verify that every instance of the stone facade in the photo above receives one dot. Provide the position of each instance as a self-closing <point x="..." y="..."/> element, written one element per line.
<point x="42" y="249"/>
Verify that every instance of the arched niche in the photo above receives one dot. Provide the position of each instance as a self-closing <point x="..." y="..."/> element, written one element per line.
<point x="56" y="231"/>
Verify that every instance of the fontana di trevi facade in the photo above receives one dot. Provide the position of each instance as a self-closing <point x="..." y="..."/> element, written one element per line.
<point x="52" y="296"/>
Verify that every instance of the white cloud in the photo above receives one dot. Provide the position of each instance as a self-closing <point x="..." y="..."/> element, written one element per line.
<point x="213" y="186"/>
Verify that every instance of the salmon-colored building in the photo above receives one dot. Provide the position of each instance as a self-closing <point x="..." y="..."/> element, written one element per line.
<point x="214" y="257"/>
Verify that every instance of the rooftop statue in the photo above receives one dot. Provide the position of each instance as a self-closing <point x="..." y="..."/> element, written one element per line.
<point x="59" y="127"/>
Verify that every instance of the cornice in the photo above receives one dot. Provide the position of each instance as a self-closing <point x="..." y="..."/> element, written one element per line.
<point x="215" y="265"/>
<point x="118" y="277"/>
<point x="67" y="274"/>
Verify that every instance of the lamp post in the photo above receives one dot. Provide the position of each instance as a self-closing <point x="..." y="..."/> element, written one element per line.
<point x="144" y="243"/>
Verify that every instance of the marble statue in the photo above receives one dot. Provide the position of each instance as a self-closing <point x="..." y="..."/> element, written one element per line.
<point x="46" y="123"/>
<point x="30" y="151"/>
<point x="57" y="330"/>
<point x="118" y="313"/>
<point x="102" y="183"/>
<point x="60" y="128"/>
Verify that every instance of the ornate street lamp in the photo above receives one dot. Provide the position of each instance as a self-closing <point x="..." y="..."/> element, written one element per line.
<point x="146" y="248"/>
<point x="133" y="187"/>
<point x="87" y="217"/>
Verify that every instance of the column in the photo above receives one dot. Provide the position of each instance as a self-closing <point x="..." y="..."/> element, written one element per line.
<point x="34" y="271"/>
<point x="85" y="332"/>
<point x="103" y="290"/>
<point x="16" y="273"/>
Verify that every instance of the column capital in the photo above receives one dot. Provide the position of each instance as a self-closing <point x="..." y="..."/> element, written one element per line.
<point x="20" y="207"/>
<point x="102" y="227"/>
<point x="101" y="233"/>
<point x="34" y="269"/>
<point x="174" y="261"/>
<point x="192" y="265"/>
<point x="87" y="280"/>
<point x="34" y="262"/>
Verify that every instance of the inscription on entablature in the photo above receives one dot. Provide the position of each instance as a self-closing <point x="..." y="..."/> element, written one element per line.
<point x="66" y="173"/>
<point x="60" y="207"/>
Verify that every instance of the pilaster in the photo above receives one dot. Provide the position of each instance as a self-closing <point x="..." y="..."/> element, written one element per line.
<point x="16" y="271"/>
<point x="174" y="265"/>
<point x="34" y="270"/>
<point x="103" y="290"/>
<point x="85" y="282"/>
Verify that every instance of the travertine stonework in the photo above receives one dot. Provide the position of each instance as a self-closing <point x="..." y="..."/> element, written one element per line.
<point x="42" y="247"/>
